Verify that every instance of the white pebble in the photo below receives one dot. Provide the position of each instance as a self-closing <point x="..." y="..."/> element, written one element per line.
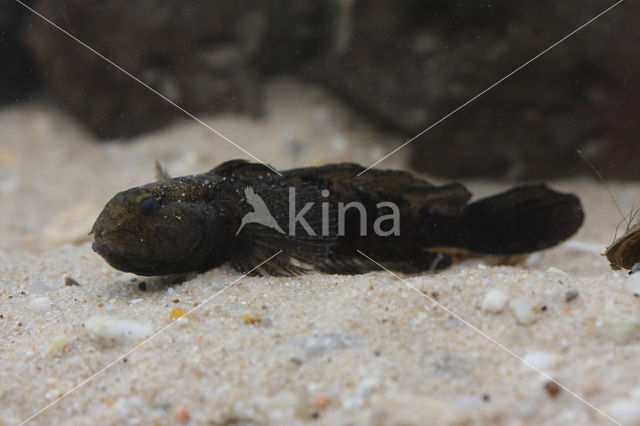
<point x="543" y="361"/>
<point x="108" y="330"/>
<point x="626" y="411"/>
<point x="170" y="290"/>
<point x="41" y="304"/>
<point x="532" y="259"/>
<point x="495" y="301"/>
<point x="632" y="284"/>
<point x="135" y="301"/>
<point x="553" y="270"/>
<point x="524" y="310"/>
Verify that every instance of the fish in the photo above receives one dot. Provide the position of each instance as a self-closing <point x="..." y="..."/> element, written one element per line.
<point x="322" y="218"/>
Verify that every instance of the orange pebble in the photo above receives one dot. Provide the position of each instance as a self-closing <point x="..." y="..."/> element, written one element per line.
<point x="567" y="308"/>
<point x="320" y="400"/>
<point x="100" y="305"/>
<point x="251" y="318"/>
<point x="181" y="414"/>
<point x="177" y="312"/>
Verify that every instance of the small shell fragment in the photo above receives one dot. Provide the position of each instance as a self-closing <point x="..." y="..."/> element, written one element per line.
<point x="542" y="360"/>
<point x="495" y="301"/>
<point x="524" y="310"/>
<point x="110" y="331"/>
<point x="555" y="270"/>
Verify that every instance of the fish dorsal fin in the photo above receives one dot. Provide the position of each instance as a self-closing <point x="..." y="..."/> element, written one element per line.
<point x="385" y="183"/>
<point x="241" y="166"/>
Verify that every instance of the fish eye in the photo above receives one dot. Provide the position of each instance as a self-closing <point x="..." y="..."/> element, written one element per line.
<point x="148" y="205"/>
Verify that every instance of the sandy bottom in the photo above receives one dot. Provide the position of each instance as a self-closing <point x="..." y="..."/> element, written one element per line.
<point x="321" y="349"/>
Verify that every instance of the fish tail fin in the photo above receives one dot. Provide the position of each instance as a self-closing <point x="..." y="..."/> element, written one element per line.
<point x="524" y="219"/>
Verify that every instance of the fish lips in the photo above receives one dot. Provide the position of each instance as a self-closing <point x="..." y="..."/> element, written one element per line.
<point x="122" y="256"/>
<point x="109" y="249"/>
<point x="130" y="259"/>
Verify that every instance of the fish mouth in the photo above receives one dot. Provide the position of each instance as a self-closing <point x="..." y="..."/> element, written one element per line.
<point x="125" y="257"/>
<point x="109" y="249"/>
<point x="120" y="247"/>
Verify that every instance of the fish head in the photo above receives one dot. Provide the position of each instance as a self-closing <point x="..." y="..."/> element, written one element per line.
<point x="152" y="230"/>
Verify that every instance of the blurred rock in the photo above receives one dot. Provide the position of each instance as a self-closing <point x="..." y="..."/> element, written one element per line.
<point x="206" y="57"/>
<point x="408" y="64"/>
<point x="17" y="72"/>
<point x="198" y="56"/>
<point x="404" y="65"/>
<point x="617" y="152"/>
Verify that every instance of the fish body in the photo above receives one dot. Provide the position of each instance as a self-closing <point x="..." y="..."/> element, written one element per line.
<point x="319" y="218"/>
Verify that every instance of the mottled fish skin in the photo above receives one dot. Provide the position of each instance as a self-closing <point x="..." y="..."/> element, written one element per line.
<point x="190" y="223"/>
<point x="165" y="227"/>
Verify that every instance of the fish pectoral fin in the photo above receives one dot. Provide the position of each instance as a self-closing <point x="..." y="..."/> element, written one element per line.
<point x="296" y="255"/>
<point x="268" y="232"/>
<point x="246" y="255"/>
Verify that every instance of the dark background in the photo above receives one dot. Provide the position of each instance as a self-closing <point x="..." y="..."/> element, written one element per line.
<point x="402" y="64"/>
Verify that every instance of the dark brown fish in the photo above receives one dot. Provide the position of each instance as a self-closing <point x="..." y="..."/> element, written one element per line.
<point x="194" y="223"/>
